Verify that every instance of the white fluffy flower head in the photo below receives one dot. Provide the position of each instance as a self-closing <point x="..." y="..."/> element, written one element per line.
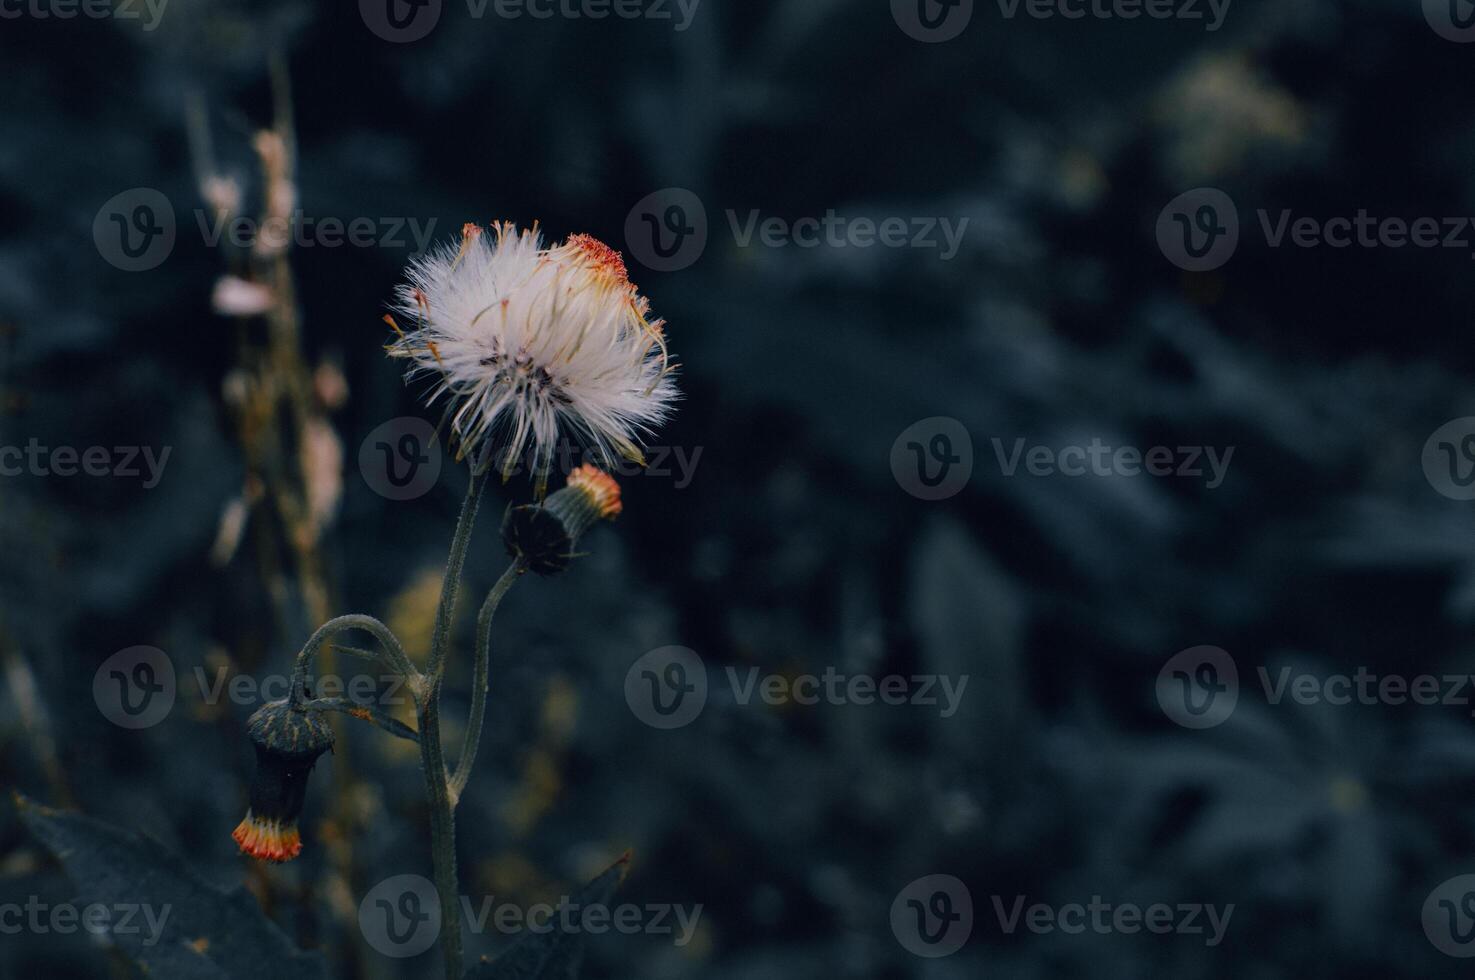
<point x="527" y="341"/>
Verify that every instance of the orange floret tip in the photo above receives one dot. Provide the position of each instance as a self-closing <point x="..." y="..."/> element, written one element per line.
<point x="268" y="840"/>
<point x="601" y="488"/>
<point x="608" y="264"/>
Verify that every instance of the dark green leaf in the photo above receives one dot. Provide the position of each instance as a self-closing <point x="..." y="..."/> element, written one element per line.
<point x="553" y="955"/>
<point x="184" y="927"/>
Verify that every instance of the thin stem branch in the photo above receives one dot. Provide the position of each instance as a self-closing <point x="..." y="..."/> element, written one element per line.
<point x="440" y="639"/>
<point x="480" y="682"/>
<point x="393" y="654"/>
<point x="372" y="714"/>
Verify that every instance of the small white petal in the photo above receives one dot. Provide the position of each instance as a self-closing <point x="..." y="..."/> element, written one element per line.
<point x="234" y="296"/>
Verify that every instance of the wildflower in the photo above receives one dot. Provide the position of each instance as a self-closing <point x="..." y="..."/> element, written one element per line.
<point x="288" y="741"/>
<point x="544" y="535"/>
<point x="527" y="340"/>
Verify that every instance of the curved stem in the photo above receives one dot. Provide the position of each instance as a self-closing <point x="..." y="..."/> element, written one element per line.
<point x="480" y="681"/>
<point x="393" y="654"/>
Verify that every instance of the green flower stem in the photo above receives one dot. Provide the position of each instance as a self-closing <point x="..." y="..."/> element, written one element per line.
<point x="480" y="681"/>
<point x="432" y="758"/>
<point x="393" y="653"/>
<point x="426" y="689"/>
<point x="442" y="828"/>
<point x="460" y="543"/>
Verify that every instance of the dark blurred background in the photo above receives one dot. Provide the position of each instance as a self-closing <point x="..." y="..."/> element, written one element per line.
<point x="797" y="543"/>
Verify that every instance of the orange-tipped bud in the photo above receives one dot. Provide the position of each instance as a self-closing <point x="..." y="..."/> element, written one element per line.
<point x="601" y="488"/>
<point x="288" y="740"/>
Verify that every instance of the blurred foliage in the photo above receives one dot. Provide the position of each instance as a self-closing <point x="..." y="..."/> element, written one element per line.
<point x="793" y="548"/>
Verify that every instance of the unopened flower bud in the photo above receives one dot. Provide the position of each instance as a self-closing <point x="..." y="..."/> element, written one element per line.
<point x="288" y="741"/>
<point x="543" y="536"/>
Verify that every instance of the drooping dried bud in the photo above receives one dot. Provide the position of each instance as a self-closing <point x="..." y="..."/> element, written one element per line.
<point x="544" y="535"/>
<point x="288" y="741"/>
